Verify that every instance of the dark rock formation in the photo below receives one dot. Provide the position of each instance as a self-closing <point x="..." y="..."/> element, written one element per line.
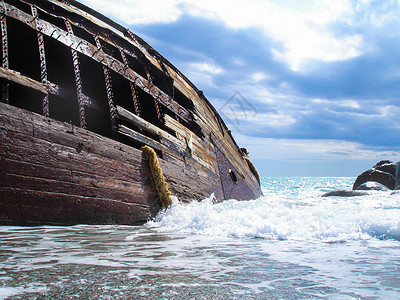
<point x="384" y="175"/>
<point x="371" y="185"/>
<point x="384" y="178"/>
<point x="344" y="193"/>
<point x="384" y="172"/>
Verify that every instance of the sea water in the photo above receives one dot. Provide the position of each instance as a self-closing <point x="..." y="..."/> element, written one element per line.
<point x="289" y="244"/>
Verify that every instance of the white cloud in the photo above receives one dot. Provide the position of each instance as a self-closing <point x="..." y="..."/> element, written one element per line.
<point x="259" y="76"/>
<point x="276" y="119"/>
<point x="296" y="149"/>
<point x="240" y="62"/>
<point x="206" y="67"/>
<point x="378" y="12"/>
<point x="238" y="118"/>
<point x="138" y="12"/>
<point x="389" y="112"/>
<point x="302" y="28"/>
<point x="348" y="104"/>
<point x="202" y="73"/>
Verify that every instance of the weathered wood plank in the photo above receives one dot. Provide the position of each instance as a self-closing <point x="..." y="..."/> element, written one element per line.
<point x="96" y="176"/>
<point x="126" y="115"/>
<point x="202" y="151"/>
<point x="30" y="149"/>
<point x="165" y="138"/>
<point x="189" y="183"/>
<point x="30" y="124"/>
<point x="45" y="88"/>
<point x="244" y="171"/>
<point x="53" y="208"/>
<point x="22" y="80"/>
<point x="20" y="167"/>
<point x="65" y="201"/>
<point x="145" y="125"/>
<point x="79" y="183"/>
<point x="138" y="137"/>
<point x="219" y="145"/>
<point x="133" y="193"/>
<point x="71" y="140"/>
<point x="180" y="148"/>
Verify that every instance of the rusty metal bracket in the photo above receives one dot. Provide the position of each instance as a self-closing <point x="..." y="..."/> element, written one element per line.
<point x="79" y="44"/>
<point x="35" y="16"/>
<point x="95" y="52"/>
<point x="51" y="35"/>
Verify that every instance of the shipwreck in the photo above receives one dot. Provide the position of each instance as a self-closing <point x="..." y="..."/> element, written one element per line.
<point x="80" y="97"/>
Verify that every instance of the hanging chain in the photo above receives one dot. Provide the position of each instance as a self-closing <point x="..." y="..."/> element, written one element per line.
<point x="78" y="81"/>
<point x="136" y="103"/>
<point x="4" y="40"/>
<point x="110" y="95"/>
<point x="43" y="67"/>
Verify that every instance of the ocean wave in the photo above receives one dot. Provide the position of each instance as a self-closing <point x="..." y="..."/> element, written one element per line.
<point x="300" y="215"/>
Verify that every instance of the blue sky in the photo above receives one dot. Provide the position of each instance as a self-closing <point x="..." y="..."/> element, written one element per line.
<point x="310" y="88"/>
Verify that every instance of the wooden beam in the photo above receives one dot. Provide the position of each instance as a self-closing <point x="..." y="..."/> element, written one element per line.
<point x="48" y="88"/>
<point x="138" y="137"/>
<point x="22" y="80"/>
<point x="147" y="126"/>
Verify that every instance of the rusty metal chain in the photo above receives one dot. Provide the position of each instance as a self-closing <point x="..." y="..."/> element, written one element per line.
<point x="43" y="67"/>
<point x="136" y="103"/>
<point x="4" y="39"/>
<point x="78" y="81"/>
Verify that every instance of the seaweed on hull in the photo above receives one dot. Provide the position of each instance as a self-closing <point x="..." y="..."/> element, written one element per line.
<point x="384" y="175"/>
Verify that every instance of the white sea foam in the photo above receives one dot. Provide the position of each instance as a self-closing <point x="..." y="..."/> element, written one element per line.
<point x="284" y="245"/>
<point x="6" y="292"/>
<point x="292" y="213"/>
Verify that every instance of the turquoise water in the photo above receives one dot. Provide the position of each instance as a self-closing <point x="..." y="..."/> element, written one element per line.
<point x="289" y="244"/>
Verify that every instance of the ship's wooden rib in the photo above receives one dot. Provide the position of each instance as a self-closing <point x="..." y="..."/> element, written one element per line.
<point x="22" y="80"/>
<point x="86" y="48"/>
<point x="202" y="150"/>
<point x="149" y="127"/>
<point x="140" y="138"/>
<point x="176" y="147"/>
<point x="47" y="88"/>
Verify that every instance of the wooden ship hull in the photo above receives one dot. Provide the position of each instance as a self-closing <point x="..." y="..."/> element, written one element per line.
<point x="80" y="96"/>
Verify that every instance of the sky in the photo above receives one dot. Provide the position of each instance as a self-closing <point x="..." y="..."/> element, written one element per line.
<point x="309" y="87"/>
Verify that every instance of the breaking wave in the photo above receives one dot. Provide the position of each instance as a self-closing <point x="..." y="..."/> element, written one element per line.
<point x="291" y="209"/>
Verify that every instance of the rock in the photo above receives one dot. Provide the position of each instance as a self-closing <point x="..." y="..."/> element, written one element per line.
<point x="397" y="176"/>
<point x="386" y="166"/>
<point x="372" y="185"/>
<point x="375" y="175"/>
<point x="344" y="193"/>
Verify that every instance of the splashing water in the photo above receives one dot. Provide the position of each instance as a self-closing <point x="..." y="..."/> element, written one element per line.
<point x="289" y="244"/>
<point x="291" y="209"/>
